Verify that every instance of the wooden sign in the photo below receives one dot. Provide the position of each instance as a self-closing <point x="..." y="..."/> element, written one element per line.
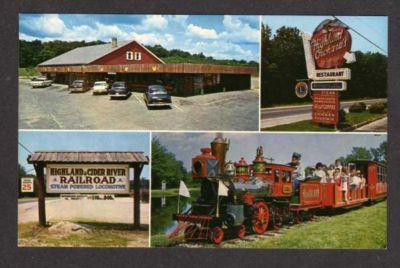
<point x="332" y="74"/>
<point x="325" y="108"/>
<point x="329" y="43"/>
<point x="87" y="178"/>
<point x="27" y="185"/>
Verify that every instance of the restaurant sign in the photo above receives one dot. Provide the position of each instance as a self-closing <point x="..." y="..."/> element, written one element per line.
<point x="87" y="178"/>
<point x="329" y="43"/>
<point x="332" y="74"/>
<point x="325" y="107"/>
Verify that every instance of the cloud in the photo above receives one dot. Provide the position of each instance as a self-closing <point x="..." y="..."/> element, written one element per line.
<point x="220" y="49"/>
<point x="237" y="30"/>
<point x="180" y="19"/>
<point x="49" y="24"/>
<point x="154" y="22"/>
<point x="152" y="38"/>
<point x="201" y="32"/>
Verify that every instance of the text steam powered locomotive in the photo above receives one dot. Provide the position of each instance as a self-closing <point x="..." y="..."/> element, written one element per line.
<point x="261" y="195"/>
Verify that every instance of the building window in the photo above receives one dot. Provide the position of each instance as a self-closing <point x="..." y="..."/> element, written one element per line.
<point x="138" y="56"/>
<point x="129" y="55"/>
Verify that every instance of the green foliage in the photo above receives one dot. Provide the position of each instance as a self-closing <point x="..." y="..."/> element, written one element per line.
<point x="283" y="63"/>
<point x="166" y="167"/>
<point x="357" y="107"/>
<point x="34" y="52"/>
<point x="377" y="108"/>
<point x="344" y="231"/>
<point x="31" y="53"/>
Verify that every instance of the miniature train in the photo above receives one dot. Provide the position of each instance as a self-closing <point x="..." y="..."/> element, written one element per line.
<point x="262" y="195"/>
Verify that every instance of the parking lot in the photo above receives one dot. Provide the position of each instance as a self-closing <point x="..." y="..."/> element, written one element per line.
<point x="55" y="108"/>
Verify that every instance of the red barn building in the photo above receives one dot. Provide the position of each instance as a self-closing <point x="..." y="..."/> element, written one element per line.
<point x="139" y="67"/>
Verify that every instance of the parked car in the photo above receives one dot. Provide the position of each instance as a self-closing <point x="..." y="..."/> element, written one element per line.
<point x="100" y="87"/>
<point x="79" y="86"/>
<point x="119" y="90"/>
<point x="157" y="95"/>
<point x="40" y="81"/>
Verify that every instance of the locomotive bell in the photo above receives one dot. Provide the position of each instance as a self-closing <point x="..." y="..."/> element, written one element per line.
<point x="219" y="147"/>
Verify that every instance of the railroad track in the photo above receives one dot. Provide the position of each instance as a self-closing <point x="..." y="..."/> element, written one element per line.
<point x="252" y="237"/>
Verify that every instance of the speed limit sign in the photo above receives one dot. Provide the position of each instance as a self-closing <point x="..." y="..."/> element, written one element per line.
<point x="27" y="185"/>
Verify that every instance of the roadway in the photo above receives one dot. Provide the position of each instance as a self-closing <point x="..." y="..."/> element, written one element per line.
<point x="271" y="117"/>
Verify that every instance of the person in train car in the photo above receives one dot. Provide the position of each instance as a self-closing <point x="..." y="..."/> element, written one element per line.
<point x="320" y="172"/>
<point x="363" y="183"/>
<point x="338" y="164"/>
<point x="337" y="176"/>
<point x="344" y="183"/>
<point x="354" y="180"/>
<point x="330" y="172"/>
<point x="298" y="174"/>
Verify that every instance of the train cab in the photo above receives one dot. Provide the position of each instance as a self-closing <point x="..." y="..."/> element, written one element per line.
<point x="280" y="176"/>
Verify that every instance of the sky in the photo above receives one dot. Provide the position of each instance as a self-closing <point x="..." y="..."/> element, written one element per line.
<point x="222" y="37"/>
<point x="313" y="147"/>
<point x="81" y="141"/>
<point x="375" y="28"/>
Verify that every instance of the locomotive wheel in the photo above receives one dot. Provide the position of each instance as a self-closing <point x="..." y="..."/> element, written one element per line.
<point x="191" y="232"/>
<point x="217" y="235"/>
<point x="241" y="231"/>
<point x="260" y="218"/>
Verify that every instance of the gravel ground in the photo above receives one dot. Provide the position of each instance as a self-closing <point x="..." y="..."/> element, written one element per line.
<point x="119" y="210"/>
<point x="55" y="108"/>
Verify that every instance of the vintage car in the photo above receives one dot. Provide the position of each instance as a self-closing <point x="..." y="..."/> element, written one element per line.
<point x="157" y="95"/>
<point x="100" y="87"/>
<point x="79" y="86"/>
<point x="119" y="90"/>
<point x="40" y="81"/>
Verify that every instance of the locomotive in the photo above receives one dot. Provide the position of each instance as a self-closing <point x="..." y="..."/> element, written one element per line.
<point x="261" y="195"/>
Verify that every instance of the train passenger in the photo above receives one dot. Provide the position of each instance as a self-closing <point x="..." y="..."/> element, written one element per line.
<point x="355" y="181"/>
<point x="298" y="174"/>
<point x="320" y="172"/>
<point x="343" y="184"/>
<point x="331" y="172"/>
<point x="337" y="176"/>
<point x="363" y="183"/>
<point x="338" y="164"/>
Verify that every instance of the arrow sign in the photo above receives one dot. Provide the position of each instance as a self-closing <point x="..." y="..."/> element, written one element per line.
<point x="350" y="57"/>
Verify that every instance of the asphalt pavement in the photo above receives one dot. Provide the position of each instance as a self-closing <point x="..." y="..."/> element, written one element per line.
<point x="55" y="108"/>
<point x="290" y="114"/>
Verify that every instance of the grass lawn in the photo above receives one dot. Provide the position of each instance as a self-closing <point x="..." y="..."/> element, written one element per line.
<point x="307" y="125"/>
<point x="363" y="228"/>
<point x="27" y="72"/>
<point x="102" y="235"/>
<point x="171" y="192"/>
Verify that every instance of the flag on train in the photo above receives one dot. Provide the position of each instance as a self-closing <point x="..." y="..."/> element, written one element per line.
<point x="183" y="190"/>
<point x="222" y="189"/>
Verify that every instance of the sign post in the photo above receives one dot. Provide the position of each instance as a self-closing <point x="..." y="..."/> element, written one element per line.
<point x="325" y="53"/>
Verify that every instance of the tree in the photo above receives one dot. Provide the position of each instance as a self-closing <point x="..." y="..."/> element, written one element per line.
<point x="380" y="154"/>
<point x="165" y="167"/>
<point x="21" y="171"/>
<point x="283" y="62"/>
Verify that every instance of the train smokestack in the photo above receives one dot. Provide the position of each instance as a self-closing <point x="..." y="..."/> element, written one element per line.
<point x="219" y="147"/>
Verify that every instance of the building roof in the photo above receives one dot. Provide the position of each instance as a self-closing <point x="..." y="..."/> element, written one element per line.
<point x="88" y="54"/>
<point x="87" y="157"/>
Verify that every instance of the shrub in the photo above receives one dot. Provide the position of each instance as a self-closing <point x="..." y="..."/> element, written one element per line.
<point x="358" y="107"/>
<point x="377" y="108"/>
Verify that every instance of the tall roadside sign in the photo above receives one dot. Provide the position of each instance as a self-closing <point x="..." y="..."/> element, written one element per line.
<point x="326" y="51"/>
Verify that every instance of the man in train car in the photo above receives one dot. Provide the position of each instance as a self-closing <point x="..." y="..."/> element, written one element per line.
<point x="320" y="172"/>
<point x="298" y="174"/>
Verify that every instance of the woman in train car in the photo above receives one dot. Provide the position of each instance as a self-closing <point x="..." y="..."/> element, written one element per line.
<point x="355" y="182"/>
<point x="320" y="172"/>
<point x="337" y="176"/>
<point x="331" y="172"/>
<point x="344" y="183"/>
